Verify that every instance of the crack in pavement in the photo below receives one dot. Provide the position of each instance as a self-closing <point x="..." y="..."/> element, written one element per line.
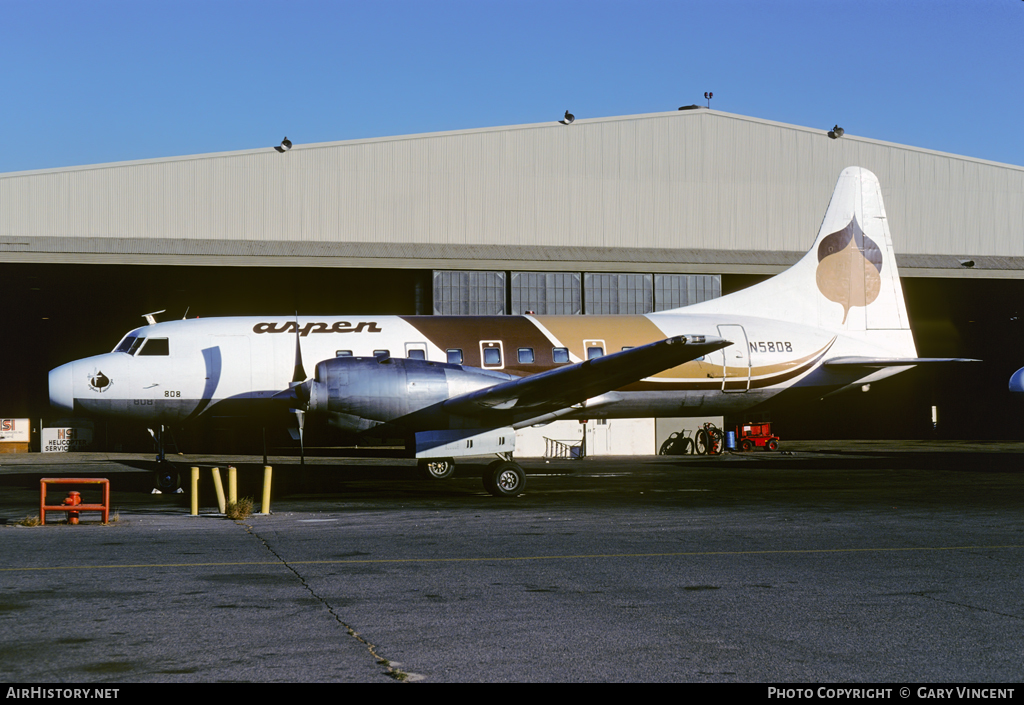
<point x="390" y="670"/>
<point x="964" y="605"/>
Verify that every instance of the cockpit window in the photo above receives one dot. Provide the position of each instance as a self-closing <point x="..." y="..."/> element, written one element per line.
<point x="156" y="346"/>
<point x="126" y="344"/>
<point x="130" y="345"/>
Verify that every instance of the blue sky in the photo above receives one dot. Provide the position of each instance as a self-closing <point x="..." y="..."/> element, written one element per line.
<point x="98" y="81"/>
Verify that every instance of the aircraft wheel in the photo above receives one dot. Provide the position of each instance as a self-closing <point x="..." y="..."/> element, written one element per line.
<point x="167" y="478"/>
<point x="437" y="468"/>
<point x="504" y="479"/>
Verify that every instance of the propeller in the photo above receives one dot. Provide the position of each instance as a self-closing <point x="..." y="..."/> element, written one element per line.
<point x="298" y="377"/>
<point x="297" y="394"/>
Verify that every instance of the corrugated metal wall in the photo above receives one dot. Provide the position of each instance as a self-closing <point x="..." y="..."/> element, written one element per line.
<point x="696" y="179"/>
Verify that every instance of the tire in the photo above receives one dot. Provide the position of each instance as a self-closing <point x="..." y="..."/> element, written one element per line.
<point x="715" y="442"/>
<point x="773" y="444"/>
<point x="167" y="478"/>
<point x="437" y="468"/>
<point x="702" y="442"/>
<point x="747" y="446"/>
<point x="504" y="479"/>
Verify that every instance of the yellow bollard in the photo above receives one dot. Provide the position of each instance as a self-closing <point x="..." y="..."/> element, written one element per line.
<point x="195" y="491"/>
<point x="219" y="487"/>
<point x="267" y="471"/>
<point x="232" y="485"/>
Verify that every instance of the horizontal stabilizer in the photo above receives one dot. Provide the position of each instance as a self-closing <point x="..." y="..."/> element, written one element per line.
<point x="881" y="362"/>
<point x="572" y="384"/>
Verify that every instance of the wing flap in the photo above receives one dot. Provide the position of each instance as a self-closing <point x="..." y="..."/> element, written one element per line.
<point x="565" y="386"/>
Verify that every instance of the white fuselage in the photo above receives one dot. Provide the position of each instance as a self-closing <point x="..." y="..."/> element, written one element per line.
<point x="177" y="371"/>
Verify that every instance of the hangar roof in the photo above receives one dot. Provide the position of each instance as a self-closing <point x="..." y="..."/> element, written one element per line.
<point x="690" y="191"/>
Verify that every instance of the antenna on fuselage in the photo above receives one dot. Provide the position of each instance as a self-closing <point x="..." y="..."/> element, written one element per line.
<point x="151" y="317"/>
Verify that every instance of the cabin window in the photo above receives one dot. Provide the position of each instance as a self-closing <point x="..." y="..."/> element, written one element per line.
<point x="155" y="346"/>
<point x="627" y="347"/>
<point x="416" y="354"/>
<point x="560" y="355"/>
<point x="492" y="357"/>
<point x="594" y="352"/>
<point x="454" y="356"/>
<point x="342" y="353"/>
<point x="382" y="354"/>
<point x="526" y="356"/>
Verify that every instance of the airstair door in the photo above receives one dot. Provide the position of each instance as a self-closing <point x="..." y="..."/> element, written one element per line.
<point x="736" y="359"/>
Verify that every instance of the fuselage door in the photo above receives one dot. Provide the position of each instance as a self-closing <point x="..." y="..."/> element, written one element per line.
<point x="491" y="355"/>
<point x="736" y="359"/>
<point x="593" y="349"/>
<point x="163" y="379"/>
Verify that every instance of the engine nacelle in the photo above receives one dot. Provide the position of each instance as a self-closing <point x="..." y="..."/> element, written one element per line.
<point x="358" y="393"/>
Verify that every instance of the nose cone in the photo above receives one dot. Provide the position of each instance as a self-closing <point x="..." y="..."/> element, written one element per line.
<point x="1017" y="381"/>
<point x="62" y="395"/>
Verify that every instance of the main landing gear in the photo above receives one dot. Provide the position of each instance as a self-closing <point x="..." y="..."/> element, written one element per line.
<point x="502" y="478"/>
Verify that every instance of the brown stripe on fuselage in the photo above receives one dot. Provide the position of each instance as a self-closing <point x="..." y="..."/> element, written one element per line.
<point x="617" y="332"/>
<point x="467" y="332"/>
<point x="760" y="377"/>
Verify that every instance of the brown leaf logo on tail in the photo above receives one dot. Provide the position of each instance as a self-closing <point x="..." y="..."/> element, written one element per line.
<point x="849" y="265"/>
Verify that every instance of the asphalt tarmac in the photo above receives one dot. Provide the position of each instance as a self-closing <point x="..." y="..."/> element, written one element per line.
<point x="855" y="562"/>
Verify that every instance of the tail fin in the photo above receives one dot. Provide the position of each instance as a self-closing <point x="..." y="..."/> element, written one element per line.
<point x="848" y="281"/>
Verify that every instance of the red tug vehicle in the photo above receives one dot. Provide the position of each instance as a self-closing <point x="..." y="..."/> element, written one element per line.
<point x="756" y="435"/>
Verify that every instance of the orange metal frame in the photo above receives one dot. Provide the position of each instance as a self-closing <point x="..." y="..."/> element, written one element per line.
<point x="44" y="507"/>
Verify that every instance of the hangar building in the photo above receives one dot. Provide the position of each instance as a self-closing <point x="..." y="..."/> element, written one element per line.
<point x="626" y="214"/>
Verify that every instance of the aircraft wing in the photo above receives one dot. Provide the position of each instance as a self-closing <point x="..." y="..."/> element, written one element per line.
<point x="880" y="362"/>
<point x="565" y="386"/>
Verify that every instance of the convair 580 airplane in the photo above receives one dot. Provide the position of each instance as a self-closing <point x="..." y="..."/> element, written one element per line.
<point x="461" y="386"/>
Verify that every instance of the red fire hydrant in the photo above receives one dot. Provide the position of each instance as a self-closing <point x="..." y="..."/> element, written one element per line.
<point x="72" y="500"/>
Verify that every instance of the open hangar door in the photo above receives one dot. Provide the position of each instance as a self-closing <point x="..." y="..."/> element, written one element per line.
<point x="62" y="312"/>
<point x="976" y="318"/>
<point x="57" y="313"/>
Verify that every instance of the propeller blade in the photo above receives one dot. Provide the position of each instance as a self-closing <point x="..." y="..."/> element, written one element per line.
<point x="300" y="417"/>
<point x="296" y="396"/>
<point x="299" y="374"/>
